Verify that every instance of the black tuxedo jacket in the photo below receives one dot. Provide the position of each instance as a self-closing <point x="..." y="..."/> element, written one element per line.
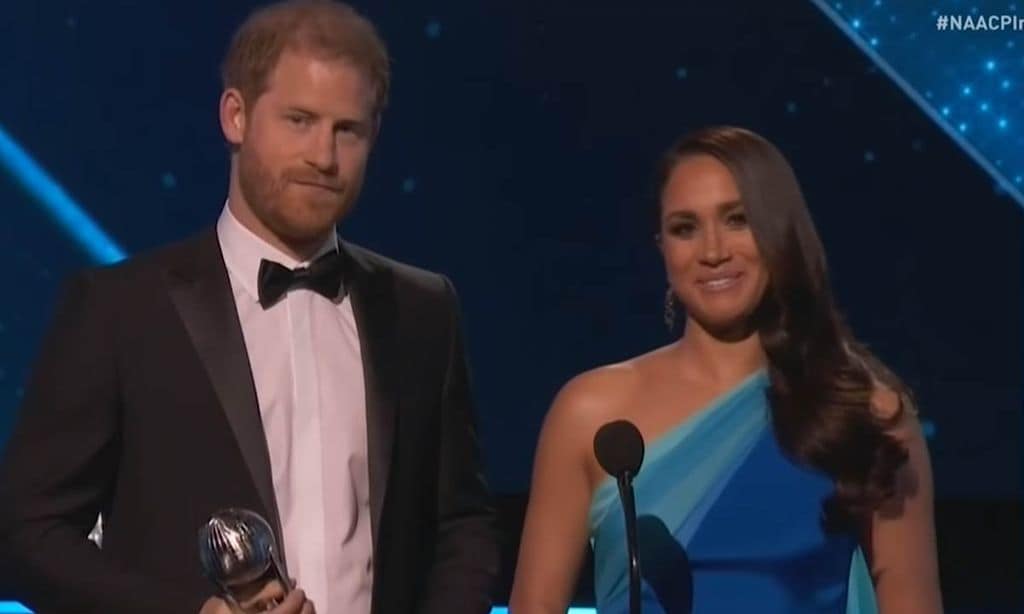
<point x="142" y="406"/>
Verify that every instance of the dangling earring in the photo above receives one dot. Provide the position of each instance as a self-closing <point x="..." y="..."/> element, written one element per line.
<point x="670" y="309"/>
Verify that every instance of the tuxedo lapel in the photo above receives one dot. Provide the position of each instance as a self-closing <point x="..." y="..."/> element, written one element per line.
<point x="201" y="292"/>
<point x="371" y="289"/>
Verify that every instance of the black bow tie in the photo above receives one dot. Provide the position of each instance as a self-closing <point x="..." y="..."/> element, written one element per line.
<point x="325" y="276"/>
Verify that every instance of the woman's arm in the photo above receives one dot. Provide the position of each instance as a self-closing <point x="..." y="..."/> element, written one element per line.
<point x="902" y="549"/>
<point x="555" y="533"/>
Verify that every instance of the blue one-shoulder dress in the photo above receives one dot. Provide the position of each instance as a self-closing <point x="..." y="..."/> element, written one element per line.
<point x="727" y="523"/>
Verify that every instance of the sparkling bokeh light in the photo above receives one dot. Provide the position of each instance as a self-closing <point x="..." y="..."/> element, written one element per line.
<point x="968" y="80"/>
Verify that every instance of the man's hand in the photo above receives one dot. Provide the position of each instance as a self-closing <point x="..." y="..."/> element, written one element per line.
<point x="258" y="599"/>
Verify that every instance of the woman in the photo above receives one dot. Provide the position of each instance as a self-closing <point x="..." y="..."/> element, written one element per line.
<point x="775" y="443"/>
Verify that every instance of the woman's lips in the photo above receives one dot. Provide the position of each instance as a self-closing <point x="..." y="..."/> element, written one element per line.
<point x="719" y="283"/>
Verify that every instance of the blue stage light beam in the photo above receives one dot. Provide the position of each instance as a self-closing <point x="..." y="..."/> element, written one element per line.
<point x="503" y="610"/>
<point x="967" y="81"/>
<point x="68" y="214"/>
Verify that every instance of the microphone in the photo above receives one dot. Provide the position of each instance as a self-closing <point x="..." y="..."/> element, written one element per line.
<point x="619" y="449"/>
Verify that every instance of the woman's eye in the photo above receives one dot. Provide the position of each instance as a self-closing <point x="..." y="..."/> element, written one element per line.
<point x="682" y="229"/>
<point x="737" y="219"/>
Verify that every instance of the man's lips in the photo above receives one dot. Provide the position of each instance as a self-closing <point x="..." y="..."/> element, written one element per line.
<point x="323" y="186"/>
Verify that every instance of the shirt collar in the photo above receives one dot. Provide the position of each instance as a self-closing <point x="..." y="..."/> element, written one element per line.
<point x="243" y="251"/>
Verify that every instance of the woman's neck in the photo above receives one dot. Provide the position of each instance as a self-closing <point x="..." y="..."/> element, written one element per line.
<point x="717" y="359"/>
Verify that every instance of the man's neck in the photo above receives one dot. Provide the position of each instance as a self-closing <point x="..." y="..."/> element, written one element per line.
<point x="301" y="252"/>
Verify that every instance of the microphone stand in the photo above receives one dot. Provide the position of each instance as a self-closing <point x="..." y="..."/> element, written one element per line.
<point x="625" y="482"/>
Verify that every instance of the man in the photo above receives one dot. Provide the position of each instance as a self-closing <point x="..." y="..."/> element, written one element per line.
<point x="263" y="364"/>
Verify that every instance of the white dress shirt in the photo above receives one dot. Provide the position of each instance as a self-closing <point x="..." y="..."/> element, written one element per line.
<point x="306" y="363"/>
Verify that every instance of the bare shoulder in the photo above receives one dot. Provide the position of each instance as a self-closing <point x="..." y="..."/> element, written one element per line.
<point x="586" y="402"/>
<point x="600" y="395"/>
<point x="899" y="410"/>
<point x="597" y="394"/>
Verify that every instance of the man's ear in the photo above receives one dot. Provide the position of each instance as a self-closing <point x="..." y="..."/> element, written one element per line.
<point x="232" y="116"/>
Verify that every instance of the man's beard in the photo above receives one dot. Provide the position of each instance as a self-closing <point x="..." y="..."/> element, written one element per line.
<point x="266" y="194"/>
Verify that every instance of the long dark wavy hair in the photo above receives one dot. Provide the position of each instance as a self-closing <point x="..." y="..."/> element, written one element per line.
<point x="822" y="379"/>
